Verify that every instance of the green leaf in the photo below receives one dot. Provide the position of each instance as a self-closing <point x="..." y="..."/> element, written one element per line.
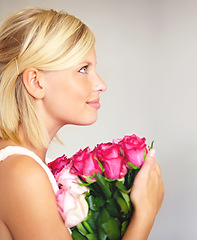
<point x="103" y="216"/>
<point x="101" y="234"/>
<point x="87" y="182"/>
<point x="117" y="194"/>
<point x="123" y="205"/>
<point x="92" y="220"/>
<point x="82" y="229"/>
<point x="95" y="189"/>
<point x="100" y="165"/>
<point x="99" y="202"/>
<point x="77" y="236"/>
<point x="92" y="204"/>
<point x="124" y="227"/>
<point x="127" y="200"/>
<point x="91" y="236"/>
<point x="112" y="229"/>
<point x="152" y="145"/>
<point x="129" y="177"/>
<point x="133" y="166"/>
<point x="95" y="203"/>
<point x="85" y="223"/>
<point x="104" y="185"/>
<point x="112" y="208"/>
<point x="122" y="187"/>
<point x="110" y="180"/>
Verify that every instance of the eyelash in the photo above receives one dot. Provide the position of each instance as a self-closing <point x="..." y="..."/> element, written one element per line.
<point x="83" y="68"/>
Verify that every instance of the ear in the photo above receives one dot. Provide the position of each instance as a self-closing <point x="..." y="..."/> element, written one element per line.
<point x="32" y="80"/>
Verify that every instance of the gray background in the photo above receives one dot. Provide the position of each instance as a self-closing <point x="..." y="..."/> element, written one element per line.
<point x="146" y="54"/>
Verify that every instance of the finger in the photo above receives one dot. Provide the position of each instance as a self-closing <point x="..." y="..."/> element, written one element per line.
<point x="158" y="168"/>
<point x="151" y="153"/>
<point x="150" y="159"/>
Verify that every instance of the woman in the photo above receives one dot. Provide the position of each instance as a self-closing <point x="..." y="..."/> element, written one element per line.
<point x="48" y="80"/>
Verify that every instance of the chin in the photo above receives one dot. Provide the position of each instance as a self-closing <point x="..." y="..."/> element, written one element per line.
<point x="88" y="121"/>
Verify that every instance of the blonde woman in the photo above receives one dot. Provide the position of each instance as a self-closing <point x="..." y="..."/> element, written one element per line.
<point x="48" y="80"/>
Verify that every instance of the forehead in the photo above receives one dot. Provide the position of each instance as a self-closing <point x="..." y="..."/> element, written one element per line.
<point x="91" y="57"/>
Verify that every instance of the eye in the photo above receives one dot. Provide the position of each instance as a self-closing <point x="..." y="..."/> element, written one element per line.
<point x="83" y="69"/>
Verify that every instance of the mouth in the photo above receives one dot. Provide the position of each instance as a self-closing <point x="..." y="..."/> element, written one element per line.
<point x="94" y="104"/>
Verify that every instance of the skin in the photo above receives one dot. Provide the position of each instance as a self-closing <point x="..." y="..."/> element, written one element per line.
<point x="147" y="196"/>
<point x="63" y="97"/>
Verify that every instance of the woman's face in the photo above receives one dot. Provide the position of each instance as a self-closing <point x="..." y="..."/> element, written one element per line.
<point x="72" y="95"/>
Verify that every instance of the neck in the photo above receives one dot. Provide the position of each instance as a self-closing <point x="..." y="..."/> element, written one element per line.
<point x="40" y="152"/>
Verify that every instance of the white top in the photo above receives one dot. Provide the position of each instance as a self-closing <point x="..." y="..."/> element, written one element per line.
<point x="11" y="150"/>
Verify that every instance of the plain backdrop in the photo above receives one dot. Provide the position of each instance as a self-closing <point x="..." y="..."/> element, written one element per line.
<point x="147" y="55"/>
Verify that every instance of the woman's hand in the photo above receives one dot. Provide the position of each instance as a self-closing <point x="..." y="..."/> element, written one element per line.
<point x="146" y="195"/>
<point x="148" y="191"/>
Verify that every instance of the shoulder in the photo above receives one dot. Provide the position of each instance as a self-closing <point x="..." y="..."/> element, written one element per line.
<point x="18" y="175"/>
<point x="26" y="192"/>
<point x="20" y="169"/>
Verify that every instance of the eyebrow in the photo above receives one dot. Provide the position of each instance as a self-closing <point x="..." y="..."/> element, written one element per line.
<point x="87" y="63"/>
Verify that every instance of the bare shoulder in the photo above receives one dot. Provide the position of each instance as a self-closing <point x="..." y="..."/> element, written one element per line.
<point x="18" y="172"/>
<point x="28" y="201"/>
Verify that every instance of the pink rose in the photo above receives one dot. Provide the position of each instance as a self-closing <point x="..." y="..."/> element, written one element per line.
<point x="85" y="164"/>
<point x="57" y="165"/>
<point x="71" y="198"/>
<point x="72" y="207"/>
<point x="134" y="149"/>
<point x="78" y="160"/>
<point x="113" y="162"/>
<point x="91" y="165"/>
<point x="70" y="181"/>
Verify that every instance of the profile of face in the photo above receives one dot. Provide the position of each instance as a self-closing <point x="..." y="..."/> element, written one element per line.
<point x="72" y="95"/>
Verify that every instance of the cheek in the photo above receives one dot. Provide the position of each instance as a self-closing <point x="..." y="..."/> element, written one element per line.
<point x="80" y="92"/>
<point x="69" y="96"/>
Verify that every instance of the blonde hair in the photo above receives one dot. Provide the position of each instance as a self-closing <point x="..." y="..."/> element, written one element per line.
<point x="47" y="40"/>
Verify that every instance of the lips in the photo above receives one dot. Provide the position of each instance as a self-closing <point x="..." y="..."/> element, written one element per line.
<point x="94" y="104"/>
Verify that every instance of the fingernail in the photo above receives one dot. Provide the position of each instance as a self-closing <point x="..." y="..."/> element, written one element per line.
<point x="152" y="153"/>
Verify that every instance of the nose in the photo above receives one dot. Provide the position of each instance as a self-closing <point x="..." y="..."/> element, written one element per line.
<point x="99" y="84"/>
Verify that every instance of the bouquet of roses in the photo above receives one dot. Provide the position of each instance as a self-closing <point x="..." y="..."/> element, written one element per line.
<point x="94" y="187"/>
